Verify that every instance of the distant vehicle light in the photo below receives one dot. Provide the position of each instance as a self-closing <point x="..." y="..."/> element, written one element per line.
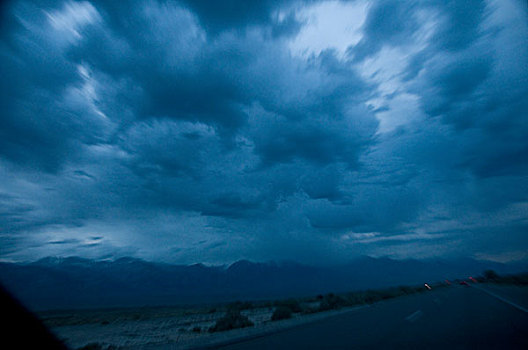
<point x="427" y="286"/>
<point x="473" y="280"/>
<point x="464" y="283"/>
<point x="448" y="282"/>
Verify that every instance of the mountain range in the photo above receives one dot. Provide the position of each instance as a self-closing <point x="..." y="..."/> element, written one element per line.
<point x="69" y="283"/>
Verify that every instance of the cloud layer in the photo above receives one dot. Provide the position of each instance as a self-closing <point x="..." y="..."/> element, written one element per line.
<point x="201" y="131"/>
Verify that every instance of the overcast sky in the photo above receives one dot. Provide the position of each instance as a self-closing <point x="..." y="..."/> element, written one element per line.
<point x="211" y="131"/>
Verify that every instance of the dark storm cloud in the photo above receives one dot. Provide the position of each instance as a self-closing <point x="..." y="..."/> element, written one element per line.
<point x="480" y="92"/>
<point x="388" y="22"/>
<point x="392" y="23"/>
<point x="12" y="213"/>
<point x="33" y="71"/>
<point x="232" y="14"/>
<point x="159" y="126"/>
<point x="460" y="25"/>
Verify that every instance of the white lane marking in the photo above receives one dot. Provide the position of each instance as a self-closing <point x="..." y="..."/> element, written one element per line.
<point x="414" y="316"/>
<point x="511" y="303"/>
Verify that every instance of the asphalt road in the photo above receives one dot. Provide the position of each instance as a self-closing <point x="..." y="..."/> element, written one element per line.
<point x="456" y="317"/>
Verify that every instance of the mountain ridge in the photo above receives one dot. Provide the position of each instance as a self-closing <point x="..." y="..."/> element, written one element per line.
<point x="73" y="282"/>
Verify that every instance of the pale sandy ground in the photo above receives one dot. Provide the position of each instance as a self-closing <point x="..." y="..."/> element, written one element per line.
<point x="173" y="331"/>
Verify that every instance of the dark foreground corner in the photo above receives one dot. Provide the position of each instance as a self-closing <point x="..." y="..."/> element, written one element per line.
<point x="21" y="328"/>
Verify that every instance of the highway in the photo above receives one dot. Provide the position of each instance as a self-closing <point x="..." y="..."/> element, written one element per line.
<point x="456" y="317"/>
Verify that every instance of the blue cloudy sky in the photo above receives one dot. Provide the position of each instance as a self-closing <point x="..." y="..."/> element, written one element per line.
<point x="317" y="131"/>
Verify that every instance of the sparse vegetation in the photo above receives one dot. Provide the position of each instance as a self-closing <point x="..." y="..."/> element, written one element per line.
<point x="332" y="301"/>
<point x="231" y="320"/>
<point x="491" y="276"/>
<point x="292" y="304"/>
<point x="281" y="313"/>
<point x="240" y="305"/>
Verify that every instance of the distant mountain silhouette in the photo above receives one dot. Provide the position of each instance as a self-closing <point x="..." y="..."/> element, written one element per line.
<point x="62" y="283"/>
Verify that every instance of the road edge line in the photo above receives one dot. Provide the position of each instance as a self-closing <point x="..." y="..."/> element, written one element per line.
<point x="504" y="300"/>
